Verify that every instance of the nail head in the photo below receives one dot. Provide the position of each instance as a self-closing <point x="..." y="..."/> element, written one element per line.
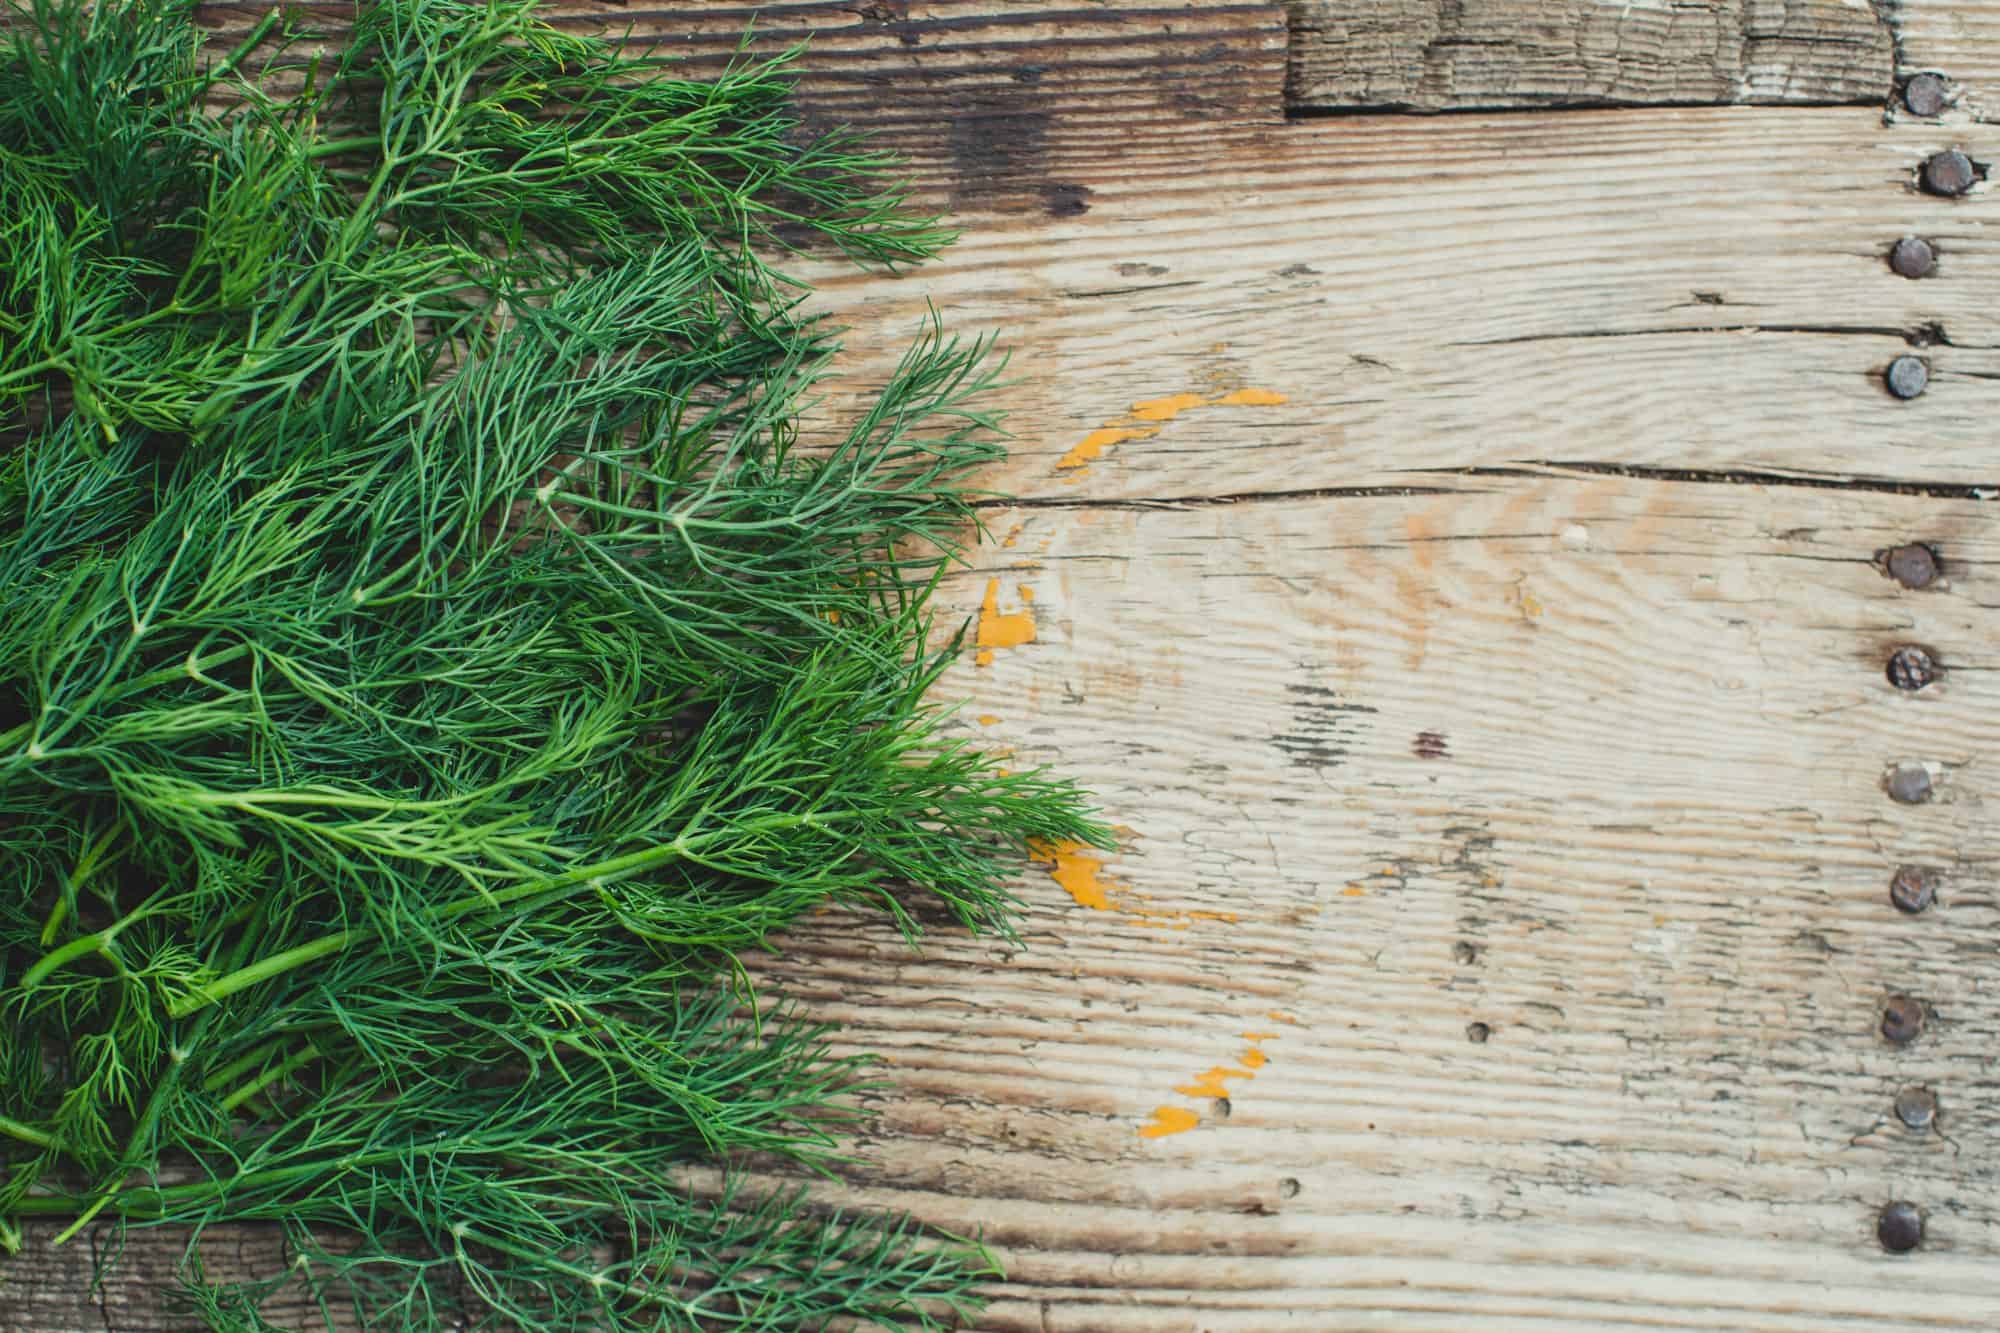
<point x="1902" y="1019"/>
<point x="1949" y="173"/>
<point x="1924" y="95"/>
<point x="1917" y="1108"/>
<point x="1907" y="376"/>
<point x="1913" y="889"/>
<point x="1913" y="565"/>
<point x="1912" y="668"/>
<point x="1913" y="257"/>
<point x="1909" y="784"/>
<point x="1900" y="1227"/>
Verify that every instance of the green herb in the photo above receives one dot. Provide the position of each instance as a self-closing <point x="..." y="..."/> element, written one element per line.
<point x="430" y="657"/>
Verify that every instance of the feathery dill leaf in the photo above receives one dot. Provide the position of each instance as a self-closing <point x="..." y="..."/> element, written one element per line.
<point x="429" y="659"/>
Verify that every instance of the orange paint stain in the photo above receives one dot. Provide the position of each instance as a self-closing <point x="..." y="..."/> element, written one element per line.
<point x="1215" y="1083"/>
<point x="1280" y="1016"/>
<point x="1166" y="409"/>
<point x="987" y="719"/>
<point x="1091" y="446"/>
<point x="1252" y="398"/>
<point x="1354" y="891"/>
<point x="1168" y="1120"/>
<point x="1001" y="631"/>
<point x="1076" y="869"/>
<point x="984" y="657"/>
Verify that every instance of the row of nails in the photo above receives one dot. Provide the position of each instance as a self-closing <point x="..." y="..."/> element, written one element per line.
<point x="1899" y="1227"/>
<point x="1949" y="173"/>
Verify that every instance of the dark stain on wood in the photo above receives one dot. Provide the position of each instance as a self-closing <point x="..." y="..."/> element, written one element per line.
<point x="1324" y="726"/>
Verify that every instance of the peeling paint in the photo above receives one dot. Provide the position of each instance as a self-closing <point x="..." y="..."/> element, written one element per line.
<point x="1169" y="1120"/>
<point x="1077" y="869"/>
<point x="1097" y="442"/>
<point x="1134" y="425"/>
<point x="997" y="630"/>
<point x="1211" y="1084"/>
<point x="1166" y="409"/>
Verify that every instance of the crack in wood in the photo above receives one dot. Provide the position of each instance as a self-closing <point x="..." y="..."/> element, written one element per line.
<point x="1733" y="477"/>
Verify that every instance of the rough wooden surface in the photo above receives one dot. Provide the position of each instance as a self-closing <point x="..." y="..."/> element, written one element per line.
<point x="1959" y="40"/>
<point x="1523" y="667"/>
<point x="1435" y="55"/>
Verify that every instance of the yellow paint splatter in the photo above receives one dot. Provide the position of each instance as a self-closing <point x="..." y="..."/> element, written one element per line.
<point x="1169" y="1120"/>
<point x="987" y="719"/>
<point x="1251" y="398"/>
<point x="1354" y="891"/>
<point x="1166" y="409"/>
<point x="1211" y="1083"/>
<point x="1076" y="869"/>
<point x="1134" y="425"/>
<point x="1097" y="442"/>
<point x="1214" y="1083"/>
<point x="1001" y="631"/>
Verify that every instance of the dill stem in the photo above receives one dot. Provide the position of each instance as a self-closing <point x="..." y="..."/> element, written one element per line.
<point x="334" y="147"/>
<point x="14" y="1129"/>
<point x="292" y="1063"/>
<point x="684" y="847"/>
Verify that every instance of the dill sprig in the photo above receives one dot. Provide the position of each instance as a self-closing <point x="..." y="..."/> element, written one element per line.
<point x="430" y="659"/>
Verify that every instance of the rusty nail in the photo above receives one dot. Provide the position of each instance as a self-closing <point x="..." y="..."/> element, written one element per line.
<point x="1917" y="1108"/>
<point x="1948" y="173"/>
<point x="1913" y="888"/>
<point x="1924" y="95"/>
<point x="1902" y="1019"/>
<point x="1477" y="1033"/>
<point x="1900" y="1227"/>
<point x="1912" y="668"/>
<point x="1913" y="565"/>
<point x="1909" y="784"/>
<point x="1913" y="257"/>
<point x="1907" y="376"/>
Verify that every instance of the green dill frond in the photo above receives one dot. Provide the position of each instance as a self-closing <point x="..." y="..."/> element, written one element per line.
<point x="430" y="659"/>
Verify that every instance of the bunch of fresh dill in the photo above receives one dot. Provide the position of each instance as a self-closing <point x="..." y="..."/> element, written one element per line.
<point x="428" y="657"/>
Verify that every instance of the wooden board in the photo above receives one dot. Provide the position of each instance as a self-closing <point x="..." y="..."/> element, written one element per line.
<point x="1523" y="667"/>
<point x="1437" y="55"/>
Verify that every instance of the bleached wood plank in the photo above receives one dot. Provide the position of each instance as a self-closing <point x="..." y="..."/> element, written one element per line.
<point x="1693" y="289"/>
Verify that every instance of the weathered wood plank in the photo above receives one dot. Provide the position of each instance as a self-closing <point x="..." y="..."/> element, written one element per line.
<point x="989" y="103"/>
<point x="1593" y="761"/>
<point x="1438" y="55"/>
<point x="1959" y="39"/>
<point x="1696" y="289"/>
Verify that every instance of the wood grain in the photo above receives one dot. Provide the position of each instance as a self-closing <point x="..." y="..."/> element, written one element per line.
<point x="1438" y="55"/>
<point x="1959" y="39"/>
<point x="1691" y="289"/>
